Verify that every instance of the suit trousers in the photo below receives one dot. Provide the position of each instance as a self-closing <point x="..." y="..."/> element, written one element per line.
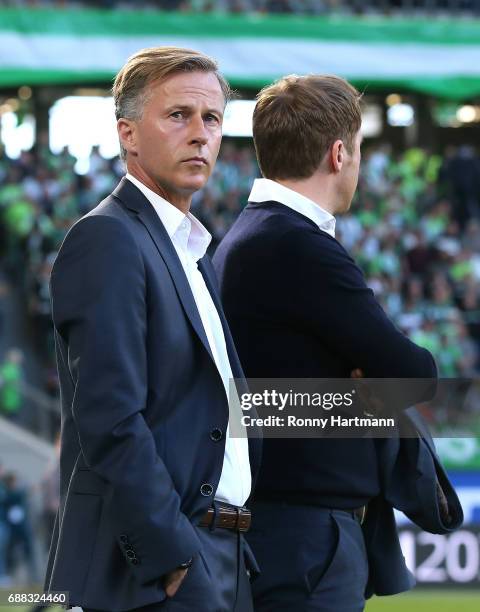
<point x="217" y="581"/>
<point x="311" y="559"/>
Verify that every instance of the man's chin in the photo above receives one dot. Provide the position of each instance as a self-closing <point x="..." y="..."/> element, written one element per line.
<point x="342" y="210"/>
<point x="193" y="184"/>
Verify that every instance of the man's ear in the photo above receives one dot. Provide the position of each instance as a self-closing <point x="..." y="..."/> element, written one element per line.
<point x="337" y="156"/>
<point x="127" y="134"/>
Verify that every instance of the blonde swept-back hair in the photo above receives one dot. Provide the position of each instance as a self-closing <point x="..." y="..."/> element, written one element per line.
<point x="130" y="91"/>
<point x="298" y="118"/>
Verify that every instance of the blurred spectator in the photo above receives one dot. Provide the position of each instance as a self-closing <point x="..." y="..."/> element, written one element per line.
<point x="463" y="174"/>
<point x="3" y="294"/>
<point x="20" y="543"/>
<point x="420" y="255"/>
<point x="4" y="531"/>
<point x="11" y="378"/>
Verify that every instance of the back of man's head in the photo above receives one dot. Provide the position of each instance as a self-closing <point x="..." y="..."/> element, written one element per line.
<point x="298" y="118"/>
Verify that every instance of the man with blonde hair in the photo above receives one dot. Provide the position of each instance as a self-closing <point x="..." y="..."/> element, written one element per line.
<point x="299" y="307"/>
<point x="153" y="487"/>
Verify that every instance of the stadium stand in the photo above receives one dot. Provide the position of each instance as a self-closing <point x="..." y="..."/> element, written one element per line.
<point x="302" y="7"/>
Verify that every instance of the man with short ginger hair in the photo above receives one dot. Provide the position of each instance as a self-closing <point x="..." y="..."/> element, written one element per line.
<point x="153" y="487"/>
<point x="299" y="307"/>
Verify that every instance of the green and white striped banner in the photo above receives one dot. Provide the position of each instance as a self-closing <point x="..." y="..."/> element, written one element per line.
<point x="441" y="57"/>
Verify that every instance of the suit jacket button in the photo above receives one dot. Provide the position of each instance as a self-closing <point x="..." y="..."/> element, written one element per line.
<point x="136" y="561"/>
<point x="206" y="489"/>
<point x="123" y="538"/>
<point x="130" y="554"/>
<point x="216" y="434"/>
<point x="128" y="547"/>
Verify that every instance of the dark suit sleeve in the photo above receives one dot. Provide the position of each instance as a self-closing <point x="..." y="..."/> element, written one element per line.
<point x="331" y="293"/>
<point x="99" y="309"/>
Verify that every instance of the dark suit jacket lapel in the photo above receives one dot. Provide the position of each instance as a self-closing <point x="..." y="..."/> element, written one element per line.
<point x="134" y="200"/>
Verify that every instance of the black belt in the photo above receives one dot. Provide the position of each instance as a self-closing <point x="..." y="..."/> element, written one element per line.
<point x="228" y="517"/>
<point x="358" y="513"/>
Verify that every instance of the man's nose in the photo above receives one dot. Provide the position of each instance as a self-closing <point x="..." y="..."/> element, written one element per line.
<point x="199" y="133"/>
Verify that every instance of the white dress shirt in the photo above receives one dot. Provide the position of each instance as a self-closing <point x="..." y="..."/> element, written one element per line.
<point x="191" y="239"/>
<point x="265" y="190"/>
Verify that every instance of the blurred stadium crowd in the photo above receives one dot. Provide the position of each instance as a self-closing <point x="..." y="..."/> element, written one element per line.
<point x="309" y="7"/>
<point x="15" y="531"/>
<point x="414" y="228"/>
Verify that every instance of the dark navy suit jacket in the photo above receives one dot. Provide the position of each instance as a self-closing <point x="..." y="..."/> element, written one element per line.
<point x="141" y="397"/>
<point x="410" y="470"/>
<point x="298" y="307"/>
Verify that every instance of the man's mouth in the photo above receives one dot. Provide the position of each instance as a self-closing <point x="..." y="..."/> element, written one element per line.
<point x="197" y="160"/>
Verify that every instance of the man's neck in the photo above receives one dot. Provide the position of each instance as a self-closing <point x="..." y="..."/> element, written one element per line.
<point x="180" y="201"/>
<point x="317" y="191"/>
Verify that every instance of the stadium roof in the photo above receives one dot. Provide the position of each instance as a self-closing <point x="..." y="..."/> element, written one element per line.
<point x="439" y="57"/>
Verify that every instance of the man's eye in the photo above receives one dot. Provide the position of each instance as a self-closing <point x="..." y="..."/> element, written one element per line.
<point x="176" y="114"/>
<point x="211" y="118"/>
